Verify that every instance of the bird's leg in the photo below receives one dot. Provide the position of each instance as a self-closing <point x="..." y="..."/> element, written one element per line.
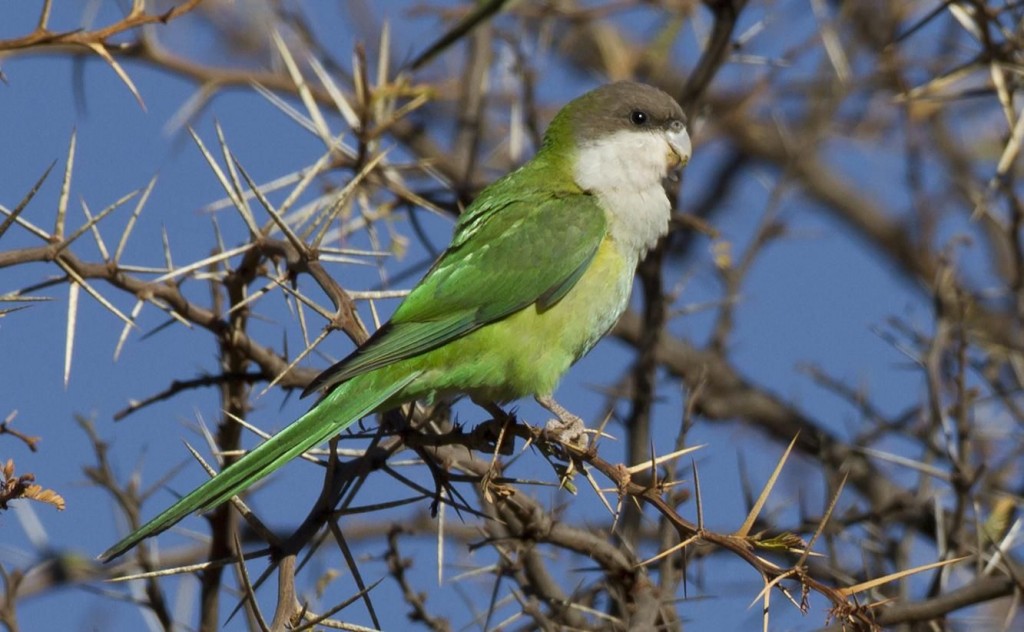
<point x="502" y="444"/>
<point x="499" y="429"/>
<point x="499" y="413"/>
<point x="567" y="427"/>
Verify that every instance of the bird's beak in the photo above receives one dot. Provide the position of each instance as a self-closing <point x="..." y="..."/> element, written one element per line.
<point x="680" y="147"/>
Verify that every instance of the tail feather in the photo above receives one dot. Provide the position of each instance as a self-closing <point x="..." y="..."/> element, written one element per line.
<point x="346" y="404"/>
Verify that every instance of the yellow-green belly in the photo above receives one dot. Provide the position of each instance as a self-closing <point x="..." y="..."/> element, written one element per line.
<point x="528" y="352"/>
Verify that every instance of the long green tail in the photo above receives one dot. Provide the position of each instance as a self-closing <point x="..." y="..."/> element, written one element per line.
<point x="346" y="404"/>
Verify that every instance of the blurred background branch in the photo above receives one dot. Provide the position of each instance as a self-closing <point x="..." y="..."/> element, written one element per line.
<point x="845" y="272"/>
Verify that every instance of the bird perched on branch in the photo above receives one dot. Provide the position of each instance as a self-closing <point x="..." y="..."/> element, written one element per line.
<point x="540" y="267"/>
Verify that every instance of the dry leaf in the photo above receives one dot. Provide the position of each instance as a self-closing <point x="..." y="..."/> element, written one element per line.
<point x="15" y="487"/>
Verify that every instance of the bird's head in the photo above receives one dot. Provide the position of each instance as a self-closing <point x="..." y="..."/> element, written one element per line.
<point x="620" y="136"/>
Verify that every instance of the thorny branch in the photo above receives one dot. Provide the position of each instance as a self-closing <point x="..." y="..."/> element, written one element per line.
<point x="774" y="126"/>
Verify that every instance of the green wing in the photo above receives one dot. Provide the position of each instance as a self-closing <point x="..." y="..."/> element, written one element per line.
<point x="507" y="253"/>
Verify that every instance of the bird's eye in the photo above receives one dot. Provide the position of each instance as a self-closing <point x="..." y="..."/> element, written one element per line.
<point x="638" y="117"/>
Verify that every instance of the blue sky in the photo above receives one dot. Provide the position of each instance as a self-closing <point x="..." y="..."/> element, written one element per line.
<point x="813" y="297"/>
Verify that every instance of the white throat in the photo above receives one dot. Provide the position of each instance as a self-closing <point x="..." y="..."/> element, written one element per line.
<point x="625" y="171"/>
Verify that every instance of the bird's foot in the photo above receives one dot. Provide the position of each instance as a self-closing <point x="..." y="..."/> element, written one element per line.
<point x="498" y="431"/>
<point x="567" y="427"/>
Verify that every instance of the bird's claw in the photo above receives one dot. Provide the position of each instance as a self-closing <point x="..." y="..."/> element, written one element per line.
<point x="570" y="431"/>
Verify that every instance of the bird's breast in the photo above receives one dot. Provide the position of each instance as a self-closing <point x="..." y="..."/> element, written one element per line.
<point x="527" y="352"/>
<point x="597" y="301"/>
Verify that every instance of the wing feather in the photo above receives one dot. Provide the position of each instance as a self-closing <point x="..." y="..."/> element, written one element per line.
<point x="509" y="256"/>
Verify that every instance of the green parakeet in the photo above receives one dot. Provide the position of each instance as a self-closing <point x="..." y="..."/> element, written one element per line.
<point x="540" y="267"/>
